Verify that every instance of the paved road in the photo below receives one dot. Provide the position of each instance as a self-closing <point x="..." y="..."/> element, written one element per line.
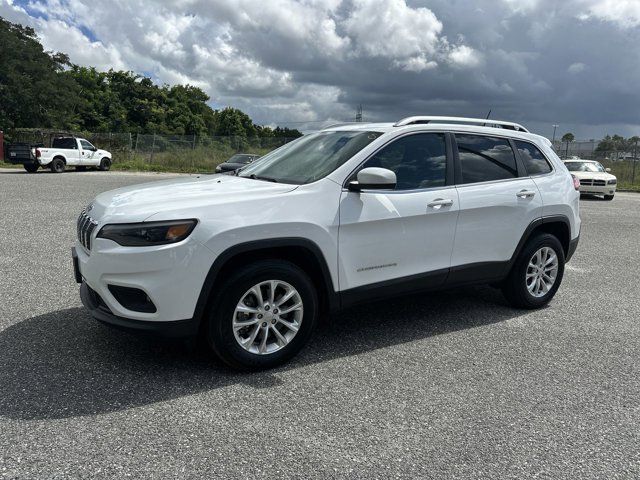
<point x="453" y="385"/>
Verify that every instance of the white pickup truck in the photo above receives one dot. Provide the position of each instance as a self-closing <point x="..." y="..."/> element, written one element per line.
<point x="74" y="152"/>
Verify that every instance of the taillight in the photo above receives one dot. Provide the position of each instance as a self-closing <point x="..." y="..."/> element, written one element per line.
<point x="38" y="153"/>
<point x="576" y="182"/>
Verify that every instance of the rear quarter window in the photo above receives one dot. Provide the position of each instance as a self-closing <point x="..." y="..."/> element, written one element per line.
<point x="534" y="160"/>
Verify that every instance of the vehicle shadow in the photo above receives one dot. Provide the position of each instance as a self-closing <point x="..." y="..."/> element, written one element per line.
<point x="65" y="364"/>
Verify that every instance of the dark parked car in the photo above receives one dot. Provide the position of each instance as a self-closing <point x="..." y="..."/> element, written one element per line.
<point x="239" y="160"/>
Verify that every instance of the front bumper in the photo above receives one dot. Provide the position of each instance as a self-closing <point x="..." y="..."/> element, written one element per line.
<point x="171" y="276"/>
<point x="100" y="311"/>
<point x="598" y="189"/>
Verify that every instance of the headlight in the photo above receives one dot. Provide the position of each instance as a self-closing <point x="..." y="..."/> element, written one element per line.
<point x="147" y="233"/>
<point x="612" y="182"/>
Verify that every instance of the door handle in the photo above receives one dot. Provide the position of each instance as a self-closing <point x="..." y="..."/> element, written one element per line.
<point x="439" y="203"/>
<point x="525" y="194"/>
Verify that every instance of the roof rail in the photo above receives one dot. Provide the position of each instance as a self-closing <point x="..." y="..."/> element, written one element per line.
<point x="474" y="121"/>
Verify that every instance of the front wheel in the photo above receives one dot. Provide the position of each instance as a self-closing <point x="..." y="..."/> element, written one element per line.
<point x="537" y="273"/>
<point x="263" y="315"/>
<point x="608" y="197"/>
<point x="105" y="164"/>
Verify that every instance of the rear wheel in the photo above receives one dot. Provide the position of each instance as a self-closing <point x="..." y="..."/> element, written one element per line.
<point x="57" y="165"/>
<point x="105" y="164"/>
<point x="608" y="197"/>
<point x="536" y="274"/>
<point x="263" y="315"/>
<point x="31" y="167"/>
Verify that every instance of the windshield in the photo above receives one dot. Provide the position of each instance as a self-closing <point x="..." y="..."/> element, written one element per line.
<point x="584" y="167"/>
<point x="309" y="158"/>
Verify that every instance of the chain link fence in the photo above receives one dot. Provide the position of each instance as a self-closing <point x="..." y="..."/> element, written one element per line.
<point x="179" y="153"/>
<point x="200" y="153"/>
<point x="193" y="153"/>
<point x="623" y="163"/>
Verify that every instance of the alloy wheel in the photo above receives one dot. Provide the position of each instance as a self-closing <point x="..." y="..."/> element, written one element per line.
<point x="542" y="271"/>
<point x="267" y="317"/>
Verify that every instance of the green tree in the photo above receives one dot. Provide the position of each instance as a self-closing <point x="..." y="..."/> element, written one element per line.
<point x="33" y="89"/>
<point x="41" y="89"/>
<point x="567" y="138"/>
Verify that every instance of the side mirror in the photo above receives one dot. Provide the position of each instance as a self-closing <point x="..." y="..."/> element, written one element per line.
<point x="607" y="170"/>
<point x="374" y="178"/>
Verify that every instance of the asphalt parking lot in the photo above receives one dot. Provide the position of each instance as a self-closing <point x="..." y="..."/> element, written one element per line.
<point x="449" y="385"/>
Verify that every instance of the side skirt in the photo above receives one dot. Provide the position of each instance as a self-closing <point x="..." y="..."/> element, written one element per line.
<point x="394" y="288"/>
<point x="475" y="273"/>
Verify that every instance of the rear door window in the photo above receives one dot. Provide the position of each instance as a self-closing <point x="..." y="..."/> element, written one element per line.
<point x="534" y="160"/>
<point x="485" y="159"/>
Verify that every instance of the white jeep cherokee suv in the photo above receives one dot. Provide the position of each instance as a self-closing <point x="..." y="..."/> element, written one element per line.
<point x="349" y="214"/>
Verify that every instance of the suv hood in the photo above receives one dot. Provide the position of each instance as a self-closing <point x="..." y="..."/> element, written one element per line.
<point x="594" y="175"/>
<point x="139" y="202"/>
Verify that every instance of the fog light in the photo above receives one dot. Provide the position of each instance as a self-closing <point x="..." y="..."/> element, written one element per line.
<point x="132" y="299"/>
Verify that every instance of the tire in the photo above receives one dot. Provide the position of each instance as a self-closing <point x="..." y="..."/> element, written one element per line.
<point x="224" y="340"/>
<point x="608" y="197"/>
<point x="57" y="165"/>
<point x="105" y="164"/>
<point x="516" y="286"/>
<point x="31" y="167"/>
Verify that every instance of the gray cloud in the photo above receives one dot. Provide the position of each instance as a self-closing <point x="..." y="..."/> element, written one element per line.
<point x="538" y="62"/>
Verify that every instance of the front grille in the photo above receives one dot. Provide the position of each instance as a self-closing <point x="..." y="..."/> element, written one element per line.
<point x="588" y="182"/>
<point x="86" y="225"/>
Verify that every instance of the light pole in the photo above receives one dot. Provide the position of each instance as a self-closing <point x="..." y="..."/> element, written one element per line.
<point x="554" y="133"/>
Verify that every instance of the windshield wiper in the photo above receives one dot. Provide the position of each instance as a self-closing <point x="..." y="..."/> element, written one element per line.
<point x="253" y="176"/>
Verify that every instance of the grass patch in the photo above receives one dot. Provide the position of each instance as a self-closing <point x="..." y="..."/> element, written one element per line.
<point x="628" y="187"/>
<point x="198" y="160"/>
<point x="9" y="165"/>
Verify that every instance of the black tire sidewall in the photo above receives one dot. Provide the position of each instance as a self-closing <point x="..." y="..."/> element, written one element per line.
<point x="57" y="165"/>
<point x="219" y="330"/>
<point x="516" y="288"/>
<point x="105" y="164"/>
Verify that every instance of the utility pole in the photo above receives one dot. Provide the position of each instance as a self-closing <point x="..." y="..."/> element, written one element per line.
<point x="359" y="114"/>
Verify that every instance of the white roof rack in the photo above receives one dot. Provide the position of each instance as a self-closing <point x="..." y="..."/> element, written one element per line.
<point x="475" y="121"/>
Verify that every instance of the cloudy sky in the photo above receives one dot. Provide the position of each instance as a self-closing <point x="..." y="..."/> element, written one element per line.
<point x="573" y="62"/>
